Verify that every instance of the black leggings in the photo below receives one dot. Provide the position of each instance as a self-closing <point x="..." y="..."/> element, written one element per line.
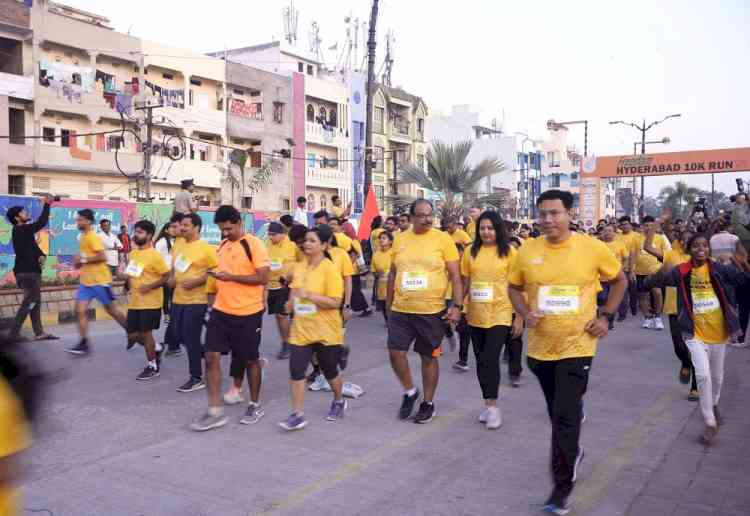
<point x="680" y="349"/>
<point x="488" y="343"/>
<point x="300" y="357"/>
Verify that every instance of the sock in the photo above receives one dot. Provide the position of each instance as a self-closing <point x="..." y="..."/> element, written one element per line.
<point x="159" y="347"/>
<point x="215" y="411"/>
<point x="254" y="403"/>
<point x="411" y="392"/>
<point x="152" y="364"/>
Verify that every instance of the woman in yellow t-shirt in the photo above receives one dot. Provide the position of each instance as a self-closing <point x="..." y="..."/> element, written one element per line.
<point x="316" y="298"/>
<point x="489" y="313"/>
<point x="381" y="266"/>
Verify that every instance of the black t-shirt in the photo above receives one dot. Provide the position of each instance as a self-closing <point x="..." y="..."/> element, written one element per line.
<point x="25" y="246"/>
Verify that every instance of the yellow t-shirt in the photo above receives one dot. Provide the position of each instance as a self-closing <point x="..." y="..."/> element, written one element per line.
<point x="337" y="211"/>
<point x="342" y="261"/>
<point x="709" y="319"/>
<point x="191" y="260"/>
<point x="93" y="273"/>
<point x="672" y="258"/>
<point x="620" y="251"/>
<point x="311" y="323"/>
<point x="357" y="247"/>
<point x="375" y="239"/>
<point x="471" y="229"/>
<point x="281" y="258"/>
<point x="561" y="280"/>
<point x="630" y="240"/>
<point x="381" y="265"/>
<point x="343" y="241"/>
<point x="421" y="279"/>
<point x="488" y="302"/>
<point x="647" y="263"/>
<point x="460" y="236"/>
<point x="145" y="266"/>
<point x="15" y="436"/>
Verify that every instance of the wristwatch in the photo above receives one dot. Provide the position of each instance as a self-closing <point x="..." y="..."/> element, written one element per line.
<point x="606" y="314"/>
<point x="347" y="307"/>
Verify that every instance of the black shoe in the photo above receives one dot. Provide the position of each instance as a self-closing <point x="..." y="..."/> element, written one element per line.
<point x="366" y="313"/>
<point x="312" y="376"/>
<point x="149" y="373"/>
<point x="194" y="384"/>
<point x="611" y="325"/>
<point x="407" y="405"/>
<point x="344" y="357"/>
<point x="173" y="352"/>
<point x="130" y="344"/>
<point x="82" y="348"/>
<point x="425" y="414"/>
<point x="620" y="318"/>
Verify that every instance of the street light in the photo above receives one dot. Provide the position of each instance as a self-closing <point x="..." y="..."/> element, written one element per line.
<point x="663" y="141"/>
<point x="530" y="187"/>
<point x="643" y="128"/>
<point x="556" y="126"/>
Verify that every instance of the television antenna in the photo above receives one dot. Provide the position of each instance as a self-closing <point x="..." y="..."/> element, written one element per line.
<point x="390" y="43"/>
<point x="291" y="15"/>
<point x="315" y="41"/>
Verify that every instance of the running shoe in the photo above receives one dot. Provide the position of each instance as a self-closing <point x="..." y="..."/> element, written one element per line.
<point x="130" y="344"/>
<point x="483" y="415"/>
<point x="208" y="422"/>
<point x="515" y="380"/>
<point x="366" y="313"/>
<point x="461" y="366"/>
<point x="425" y="414"/>
<point x="684" y="375"/>
<point x="149" y="373"/>
<point x="494" y="418"/>
<point x="173" y="352"/>
<point x="313" y="376"/>
<point x="648" y="324"/>
<point x="233" y="396"/>
<point x="717" y="416"/>
<point x="283" y="352"/>
<point x="337" y="410"/>
<point x="320" y="384"/>
<point x="253" y="414"/>
<point x="579" y="460"/>
<point x="709" y="434"/>
<point x="193" y="384"/>
<point x="407" y="405"/>
<point x="344" y="357"/>
<point x="556" y="504"/>
<point x="658" y="323"/>
<point x="294" y="422"/>
<point x="694" y="395"/>
<point x="740" y="344"/>
<point x="82" y="348"/>
<point x="611" y="325"/>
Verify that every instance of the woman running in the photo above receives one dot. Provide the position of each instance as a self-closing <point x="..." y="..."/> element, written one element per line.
<point x="316" y="298"/>
<point x="707" y="317"/>
<point x="381" y="266"/>
<point x="484" y="269"/>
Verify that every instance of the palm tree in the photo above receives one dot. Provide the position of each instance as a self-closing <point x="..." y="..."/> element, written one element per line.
<point x="450" y="176"/>
<point x="680" y="198"/>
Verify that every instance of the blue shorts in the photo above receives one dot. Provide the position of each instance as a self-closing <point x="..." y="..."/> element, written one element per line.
<point x="101" y="292"/>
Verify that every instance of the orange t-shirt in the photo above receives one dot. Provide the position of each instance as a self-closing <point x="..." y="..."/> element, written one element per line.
<point x="237" y="298"/>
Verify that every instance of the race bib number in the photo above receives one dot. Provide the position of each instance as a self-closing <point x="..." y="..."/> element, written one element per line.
<point x="414" y="281"/>
<point x="182" y="264"/>
<point x="560" y="299"/>
<point x="303" y="308"/>
<point x="275" y="265"/>
<point x="482" y="292"/>
<point x="134" y="269"/>
<point x="705" y="302"/>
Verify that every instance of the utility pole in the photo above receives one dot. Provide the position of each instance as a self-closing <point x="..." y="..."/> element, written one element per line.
<point x="143" y="182"/>
<point x="371" y="44"/>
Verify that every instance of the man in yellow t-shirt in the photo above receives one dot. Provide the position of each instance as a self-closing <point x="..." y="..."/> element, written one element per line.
<point x="192" y="258"/>
<point x="95" y="280"/>
<point x="645" y="265"/>
<point x="146" y="273"/>
<point x="630" y="238"/>
<point x="404" y="223"/>
<point x="621" y="252"/>
<point x="338" y="209"/>
<point x="15" y="437"/>
<point x="458" y="235"/>
<point x="417" y="282"/>
<point x="281" y="257"/>
<point x="236" y="318"/>
<point x="471" y="227"/>
<point x="559" y="274"/>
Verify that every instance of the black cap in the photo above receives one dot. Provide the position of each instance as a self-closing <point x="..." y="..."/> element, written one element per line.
<point x="186" y="182"/>
<point x="274" y="228"/>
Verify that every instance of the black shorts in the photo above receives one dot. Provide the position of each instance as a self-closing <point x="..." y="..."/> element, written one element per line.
<point x="277" y="298"/>
<point x="239" y="334"/>
<point x="301" y="356"/>
<point x="143" y="320"/>
<point x="426" y="331"/>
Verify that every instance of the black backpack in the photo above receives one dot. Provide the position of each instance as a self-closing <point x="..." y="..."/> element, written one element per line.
<point x="245" y="246"/>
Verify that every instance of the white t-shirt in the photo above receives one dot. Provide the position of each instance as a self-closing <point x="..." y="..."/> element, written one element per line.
<point x="111" y="245"/>
<point x="164" y="251"/>
<point x="300" y="216"/>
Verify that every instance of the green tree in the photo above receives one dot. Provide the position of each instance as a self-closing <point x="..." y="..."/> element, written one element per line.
<point x="450" y="176"/>
<point x="679" y="198"/>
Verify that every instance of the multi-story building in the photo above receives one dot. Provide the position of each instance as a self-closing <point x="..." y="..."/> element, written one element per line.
<point x="398" y="136"/>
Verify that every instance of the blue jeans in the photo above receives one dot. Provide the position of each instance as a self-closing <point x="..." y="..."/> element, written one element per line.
<point x="187" y="325"/>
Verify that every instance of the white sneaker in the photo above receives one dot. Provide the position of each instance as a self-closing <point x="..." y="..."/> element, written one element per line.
<point x="233" y="397"/>
<point x="658" y="324"/>
<point x="494" y="420"/>
<point x="648" y="324"/>
<point x="320" y="384"/>
<point x="483" y="415"/>
<point x="738" y="344"/>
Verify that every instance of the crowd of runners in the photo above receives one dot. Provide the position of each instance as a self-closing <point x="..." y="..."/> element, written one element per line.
<point x="480" y="283"/>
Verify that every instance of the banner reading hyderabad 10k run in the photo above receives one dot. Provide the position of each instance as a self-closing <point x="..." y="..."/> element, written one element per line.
<point x="711" y="161"/>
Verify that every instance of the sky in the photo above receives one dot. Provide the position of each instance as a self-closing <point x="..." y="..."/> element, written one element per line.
<point x="521" y="62"/>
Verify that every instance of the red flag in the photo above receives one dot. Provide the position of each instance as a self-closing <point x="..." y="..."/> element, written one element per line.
<point x="371" y="211"/>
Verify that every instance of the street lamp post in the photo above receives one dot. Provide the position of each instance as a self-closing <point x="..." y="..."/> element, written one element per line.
<point x="643" y="128"/>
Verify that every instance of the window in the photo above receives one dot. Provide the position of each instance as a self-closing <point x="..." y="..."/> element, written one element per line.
<point x="40" y="184"/>
<point x="420" y="126"/>
<point x="379" y="194"/>
<point x="300" y="67"/>
<point x="168" y="76"/>
<point x="278" y="112"/>
<point x="311" y="202"/>
<point x="377" y="125"/>
<point x="196" y="82"/>
<point x="64" y="138"/>
<point x="247" y="203"/>
<point x="238" y="92"/>
<point x="16" y="185"/>
<point x="377" y="156"/>
<point x="96" y="186"/>
<point x="309" y="69"/>
<point x="311" y="160"/>
<point x="323" y="201"/>
<point x="192" y="151"/>
<point x="332" y="118"/>
<point x="420" y="161"/>
<point x="555" y="180"/>
<point x="310" y="113"/>
<point x="48" y="134"/>
<point x="204" y="154"/>
<point x="285" y="204"/>
<point x="321" y="115"/>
